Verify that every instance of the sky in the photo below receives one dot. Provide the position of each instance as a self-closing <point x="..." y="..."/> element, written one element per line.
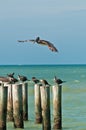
<point x="62" y="22"/>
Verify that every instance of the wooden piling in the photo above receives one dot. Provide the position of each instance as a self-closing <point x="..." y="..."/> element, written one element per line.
<point x="3" y="106"/>
<point x="37" y="98"/>
<point x="9" y="103"/>
<point x="17" y="106"/>
<point x="45" y="104"/>
<point x="57" y="112"/>
<point x="25" y="100"/>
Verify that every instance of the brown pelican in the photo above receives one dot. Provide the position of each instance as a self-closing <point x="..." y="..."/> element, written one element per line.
<point x="12" y="80"/>
<point x="10" y="75"/>
<point x="22" y="78"/>
<point x="4" y="79"/>
<point x="8" y="79"/>
<point x="44" y="82"/>
<point x="42" y="42"/>
<point x="58" y="81"/>
<point x="35" y="80"/>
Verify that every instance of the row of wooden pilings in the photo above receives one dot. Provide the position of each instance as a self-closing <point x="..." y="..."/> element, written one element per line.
<point x="14" y="105"/>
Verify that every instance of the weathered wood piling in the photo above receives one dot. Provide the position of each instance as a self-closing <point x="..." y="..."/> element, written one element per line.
<point x="57" y="111"/>
<point x="25" y="100"/>
<point x="9" y="103"/>
<point x="45" y="104"/>
<point x="3" y="106"/>
<point x="17" y="106"/>
<point x="37" y="98"/>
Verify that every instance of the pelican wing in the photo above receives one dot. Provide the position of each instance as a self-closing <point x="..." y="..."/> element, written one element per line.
<point x="32" y="40"/>
<point x="50" y="45"/>
<point x="23" y="40"/>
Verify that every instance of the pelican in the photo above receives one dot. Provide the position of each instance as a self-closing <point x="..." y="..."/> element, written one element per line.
<point x="58" y="81"/>
<point x="35" y="80"/>
<point x="42" y="42"/>
<point x="4" y="79"/>
<point x="22" y="78"/>
<point x="44" y="82"/>
<point x="12" y="79"/>
<point x="8" y="79"/>
<point x="11" y="75"/>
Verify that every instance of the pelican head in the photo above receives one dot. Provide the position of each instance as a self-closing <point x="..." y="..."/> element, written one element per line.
<point x="37" y="39"/>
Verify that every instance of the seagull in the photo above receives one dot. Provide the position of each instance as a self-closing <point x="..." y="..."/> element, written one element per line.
<point x="22" y="78"/>
<point x="42" y="42"/>
<point x="58" y="81"/>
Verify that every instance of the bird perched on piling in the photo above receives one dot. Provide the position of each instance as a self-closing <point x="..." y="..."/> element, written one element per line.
<point x="44" y="82"/>
<point x="10" y="75"/>
<point x="12" y="80"/>
<point x="35" y="80"/>
<point x="58" y="81"/>
<point x="4" y="79"/>
<point x="22" y="78"/>
<point x="8" y="79"/>
<point x="42" y="42"/>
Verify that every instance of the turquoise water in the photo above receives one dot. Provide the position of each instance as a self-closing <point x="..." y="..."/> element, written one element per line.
<point x="73" y="92"/>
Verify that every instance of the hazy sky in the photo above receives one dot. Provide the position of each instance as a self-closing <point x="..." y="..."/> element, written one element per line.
<point x="62" y="22"/>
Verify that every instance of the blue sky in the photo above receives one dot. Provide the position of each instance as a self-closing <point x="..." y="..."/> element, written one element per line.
<point x="61" y="22"/>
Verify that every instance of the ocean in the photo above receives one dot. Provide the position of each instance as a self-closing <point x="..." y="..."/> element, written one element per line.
<point x="73" y="92"/>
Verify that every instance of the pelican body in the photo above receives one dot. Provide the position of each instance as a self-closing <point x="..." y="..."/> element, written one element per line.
<point x="8" y="79"/>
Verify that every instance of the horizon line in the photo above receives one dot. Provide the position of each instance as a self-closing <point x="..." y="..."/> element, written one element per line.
<point x="38" y="64"/>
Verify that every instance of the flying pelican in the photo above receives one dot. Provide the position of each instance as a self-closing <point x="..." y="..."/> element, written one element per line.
<point x="42" y="42"/>
<point x="58" y="81"/>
